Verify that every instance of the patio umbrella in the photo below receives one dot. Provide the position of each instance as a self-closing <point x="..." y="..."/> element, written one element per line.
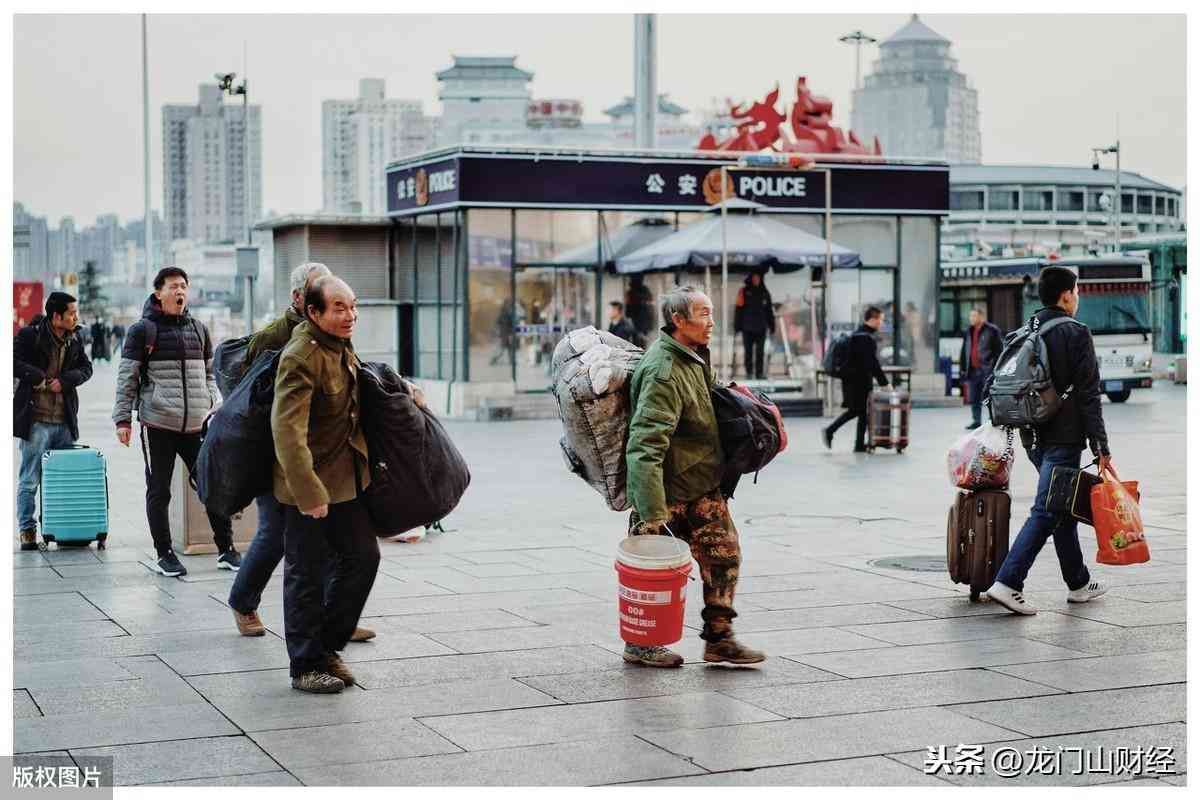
<point x="632" y="237"/>
<point x="753" y="241"/>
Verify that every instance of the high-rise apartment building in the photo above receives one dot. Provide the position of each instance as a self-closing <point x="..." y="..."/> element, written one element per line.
<point x="916" y="101"/>
<point x="31" y="244"/>
<point x="359" y="138"/>
<point x="204" y="168"/>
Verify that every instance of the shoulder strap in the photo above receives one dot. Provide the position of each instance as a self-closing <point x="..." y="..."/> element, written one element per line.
<point x="150" y="327"/>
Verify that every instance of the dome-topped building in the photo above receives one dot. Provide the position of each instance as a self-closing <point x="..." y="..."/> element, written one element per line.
<point x="916" y="101"/>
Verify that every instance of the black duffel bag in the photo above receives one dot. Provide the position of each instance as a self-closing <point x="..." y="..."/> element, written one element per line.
<point x="417" y="474"/>
<point x="751" y="431"/>
<point x="237" y="458"/>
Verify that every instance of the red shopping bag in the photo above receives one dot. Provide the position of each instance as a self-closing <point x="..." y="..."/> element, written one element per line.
<point x="1118" y="521"/>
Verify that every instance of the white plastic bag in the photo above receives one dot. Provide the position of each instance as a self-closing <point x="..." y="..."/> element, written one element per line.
<point x="982" y="459"/>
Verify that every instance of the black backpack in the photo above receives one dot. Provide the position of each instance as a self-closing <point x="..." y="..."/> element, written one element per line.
<point x="1021" y="393"/>
<point x="237" y="458"/>
<point x="417" y="474"/>
<point x="228" y="362"/>
<point x="751" y="431"/>
<point x="839" y="357"/>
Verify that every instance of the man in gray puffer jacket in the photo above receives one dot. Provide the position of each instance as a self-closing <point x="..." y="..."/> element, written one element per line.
<point x="166" y="373"/>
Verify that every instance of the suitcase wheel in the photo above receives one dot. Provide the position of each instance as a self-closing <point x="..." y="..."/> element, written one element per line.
<point x="899" y="450"/>
<point x="974" y="595"/>
<point x="100" y="541"/>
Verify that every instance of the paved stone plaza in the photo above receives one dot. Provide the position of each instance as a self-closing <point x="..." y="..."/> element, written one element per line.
<point x="498" y="660"/>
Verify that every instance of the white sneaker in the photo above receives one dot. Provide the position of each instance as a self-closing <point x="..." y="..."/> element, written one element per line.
<point x="1086" y="593"/>
<point x="1010" y="599"/>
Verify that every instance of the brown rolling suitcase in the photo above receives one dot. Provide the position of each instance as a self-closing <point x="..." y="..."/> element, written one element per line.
<point x="977" y="538"/>
<point x="887" y="419"/>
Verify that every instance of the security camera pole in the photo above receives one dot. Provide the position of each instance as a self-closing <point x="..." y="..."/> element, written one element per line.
<point x="225" y="81"/>
<point x="1096" y="153"/>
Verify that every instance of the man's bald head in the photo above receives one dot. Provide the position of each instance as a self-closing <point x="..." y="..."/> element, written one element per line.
<point x="331" y="305"/>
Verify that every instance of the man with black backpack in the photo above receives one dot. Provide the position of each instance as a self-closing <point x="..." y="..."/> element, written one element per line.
<point x="1057" y="414"/>
<point x="856" y="361"/>
<point x="166" y="373"/>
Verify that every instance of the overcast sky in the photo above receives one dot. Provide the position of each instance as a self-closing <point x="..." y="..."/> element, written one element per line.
<point x="1050" y="87"/>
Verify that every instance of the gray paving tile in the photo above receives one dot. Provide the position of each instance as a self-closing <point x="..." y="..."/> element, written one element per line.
<point x="1122" y="641"/>
<point x="48" y="609"/>
<point x="469" y="602"/>
<point x="260" y="701"/>
<point x="1059" y="770"/>
<point x="1151" y="592"/>
<point x="591" y="720"/>
<point x="514" y="664"/>
<point x="887" y="693"/>
<point x="352" y="743"/>
<point x="989" y="626"/>
<point x="527" y="638"/>
<point x="119" y="646"/>
<point x="799" y="741"/>
<point x="826" y="617"/>
<point x="501" y="569"/>
<point x="1131" y="615"/>
<point x="1085" y="711"/>
<point x="152" y="724"/>
<point x="23" y="705"/>
<point x="1175" y="780"/>
<point x="936" y="657"/>
<point x="1106" y="672"/>
<point x="66" y="672"/>
<point x="950" y="607"/>
<point x="447" y="622"/>
<point x="154" y="684"/>
<point x="154" y="762"/>
<point x="66" y="632"/>
<point x="831" y="596"/>
<point x="277" y="778"/>
<point x="631" y="681"/>
<point x="626" y="758"/>
<point x="395" y="645"/>
<point x="869" y="771"/>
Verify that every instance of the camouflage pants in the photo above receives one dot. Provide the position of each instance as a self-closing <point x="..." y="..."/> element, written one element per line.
<point x="708" y="529"/>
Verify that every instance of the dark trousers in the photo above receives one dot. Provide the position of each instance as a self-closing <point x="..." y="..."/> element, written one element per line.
<point x="754" y="344"/>
<point x="160" y="449"/>
<point x="857" y="401"/>
<point x="1043" y="525"/>
<point x="261" y="557"/>
<point x="976" y="378"/>
<point x="317" y="622"/>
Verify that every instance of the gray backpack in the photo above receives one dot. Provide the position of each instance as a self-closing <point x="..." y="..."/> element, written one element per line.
<point x="1022" y="394"/>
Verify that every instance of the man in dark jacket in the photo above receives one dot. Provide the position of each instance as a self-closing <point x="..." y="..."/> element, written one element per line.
<point x="1059" y="442"/>
<point x="639" y="306"/>
<point x="266" y="549"/>
<point x="166" y="373"/>
<point x="754" y="318"/>
<point x="321" y="470"/>
<point x="856" y="389"/>
<point x="618" y="325"/>
<point x="982" y="343"/>
<point x="50" y="364"/>
<point x="675" y="463"/>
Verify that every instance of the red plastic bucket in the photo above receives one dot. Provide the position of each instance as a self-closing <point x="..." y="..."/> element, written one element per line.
<point x="652" y="576"/>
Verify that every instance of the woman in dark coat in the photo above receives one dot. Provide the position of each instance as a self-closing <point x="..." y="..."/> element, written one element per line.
<point x="754" y="318"/>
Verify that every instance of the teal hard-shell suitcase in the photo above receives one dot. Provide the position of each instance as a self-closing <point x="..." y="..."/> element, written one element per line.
<point x="74" y="497"/>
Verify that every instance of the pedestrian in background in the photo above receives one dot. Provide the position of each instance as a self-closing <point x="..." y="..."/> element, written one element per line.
<point x="166" y="374"/>
<point x="321" y="469"/>
<point x="673" y="423"/>
<point x="100" y="351"/>
<point x="856" y="389"/>
<point x="50" y="365"/>
<point x="982" y="343"/>
<point x="754" y="318"/>
<point x="618" y="325"/>
<point x="1059" y="442"/>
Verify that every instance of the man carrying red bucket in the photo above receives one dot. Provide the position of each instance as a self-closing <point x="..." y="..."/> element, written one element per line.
<point x="674" y="466"/>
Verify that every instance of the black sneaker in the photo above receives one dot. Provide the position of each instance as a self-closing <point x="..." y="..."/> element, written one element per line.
<point x="230" y="560"/>
<point x="827" y="438"/>
<point x="169" y="565"/>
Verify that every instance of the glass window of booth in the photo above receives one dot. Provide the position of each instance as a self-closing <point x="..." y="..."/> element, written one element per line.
<point x="491" y="314"/>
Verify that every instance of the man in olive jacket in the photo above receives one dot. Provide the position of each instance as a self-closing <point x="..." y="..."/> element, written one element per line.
<point x="320" y="471"/>
<point x="674" y="463"/>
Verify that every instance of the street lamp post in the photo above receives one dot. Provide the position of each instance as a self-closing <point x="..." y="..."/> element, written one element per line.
<point x="858" y="39"/>
<point x="1116" y="150"/>
<point x="225" y="81"/>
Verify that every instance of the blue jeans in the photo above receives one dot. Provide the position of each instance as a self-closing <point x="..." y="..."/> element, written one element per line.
<point x="42" y="437"/>
<point x="1043" y="525"/>
<point x="976" y="379"/>
<point x="262" y="557"/>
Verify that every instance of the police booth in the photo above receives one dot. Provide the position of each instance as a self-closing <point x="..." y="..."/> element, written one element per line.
<point x="497" y="252"/>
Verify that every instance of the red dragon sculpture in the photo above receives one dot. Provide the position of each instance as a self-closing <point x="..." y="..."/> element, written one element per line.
<point x="760" y="128"/>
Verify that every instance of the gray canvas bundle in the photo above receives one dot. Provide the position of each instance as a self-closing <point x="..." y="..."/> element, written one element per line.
<point x="592" y="371"/>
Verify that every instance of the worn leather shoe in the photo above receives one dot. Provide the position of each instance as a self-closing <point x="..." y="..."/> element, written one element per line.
<point x="730" y="651"/>
<point x="338" y="669"/>
<point x="249" y="624"/>
<point x="362" y="635"/>
<point x="29" y="540"/>
<point x="652" y="656"/>
<point x="318" y="683"/>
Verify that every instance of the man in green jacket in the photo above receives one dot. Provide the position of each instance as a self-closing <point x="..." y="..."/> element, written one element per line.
<point x="674" y="463"/>
<point x="321" y="469"/>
